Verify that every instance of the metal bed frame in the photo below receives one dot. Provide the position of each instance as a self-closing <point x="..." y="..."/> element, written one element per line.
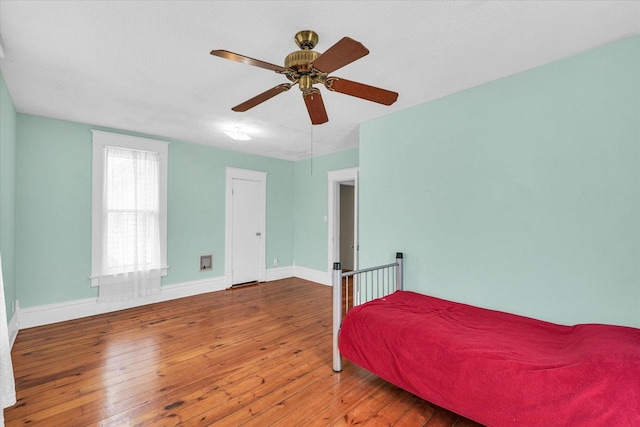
<point x="368" y="284"/>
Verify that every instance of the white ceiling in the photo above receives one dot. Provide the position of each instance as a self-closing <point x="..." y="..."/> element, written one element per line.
<point x="145" y="66"/>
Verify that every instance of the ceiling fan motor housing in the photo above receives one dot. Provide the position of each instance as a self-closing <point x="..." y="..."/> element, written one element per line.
<point x="304" y="75"/>
<point x="300" y="60"/>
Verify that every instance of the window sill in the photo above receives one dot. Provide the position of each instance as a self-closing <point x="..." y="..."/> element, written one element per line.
<point x="95" y="280"/>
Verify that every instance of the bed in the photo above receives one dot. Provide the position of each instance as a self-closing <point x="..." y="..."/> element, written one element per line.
<point x="493" y="367"/>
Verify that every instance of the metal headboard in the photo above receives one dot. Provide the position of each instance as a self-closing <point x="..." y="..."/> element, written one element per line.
<point x="366" y="284"/>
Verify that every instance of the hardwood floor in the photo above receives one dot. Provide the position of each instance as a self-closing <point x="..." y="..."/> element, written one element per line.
<point x="254" y="356"/>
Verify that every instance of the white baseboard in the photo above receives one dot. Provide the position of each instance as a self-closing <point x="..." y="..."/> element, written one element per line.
<point x="14" y="327"/>
<point x="58" y="312"/>
<point x="312" y="275"/>
<point x="30" y="317"/>
<point x="317" y="276"/>
<point x="279" y="273"/>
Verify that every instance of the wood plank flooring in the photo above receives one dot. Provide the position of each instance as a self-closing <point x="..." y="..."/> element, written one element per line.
<point x="252" y="356"/>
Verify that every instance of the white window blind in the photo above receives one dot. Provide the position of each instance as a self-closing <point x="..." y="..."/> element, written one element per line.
<point x="129" y="216"/>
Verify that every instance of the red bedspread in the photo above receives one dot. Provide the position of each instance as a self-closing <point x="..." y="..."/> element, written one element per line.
<point x="497" y="368"/>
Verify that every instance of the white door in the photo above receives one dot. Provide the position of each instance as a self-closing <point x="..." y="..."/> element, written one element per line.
<point x="246" y="231"/>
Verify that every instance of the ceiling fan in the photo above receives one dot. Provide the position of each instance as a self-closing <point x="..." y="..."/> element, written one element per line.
<point x="307" y="67"/>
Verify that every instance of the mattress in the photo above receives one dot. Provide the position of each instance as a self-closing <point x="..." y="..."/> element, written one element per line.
<point x="498" y="368"/>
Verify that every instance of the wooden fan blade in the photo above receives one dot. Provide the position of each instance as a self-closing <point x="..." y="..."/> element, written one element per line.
<point x="250" y="61"/>
<point x="360" y="90"/>
<point x="259" y="99"/>
<point x="340" y="54"/>
<point x="315" y="107"/>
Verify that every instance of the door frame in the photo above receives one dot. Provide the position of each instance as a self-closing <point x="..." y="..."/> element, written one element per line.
<point x="249" y="175"/>
<point x="335" y="178"/>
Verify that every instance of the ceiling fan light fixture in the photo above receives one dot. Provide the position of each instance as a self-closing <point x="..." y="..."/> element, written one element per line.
<point x="2" y="55"/>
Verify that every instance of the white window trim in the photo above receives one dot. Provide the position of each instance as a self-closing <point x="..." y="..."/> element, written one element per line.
<point x="101" y="140"/>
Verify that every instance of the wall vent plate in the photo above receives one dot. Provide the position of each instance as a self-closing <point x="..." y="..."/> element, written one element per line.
<point x="206" y="262"/>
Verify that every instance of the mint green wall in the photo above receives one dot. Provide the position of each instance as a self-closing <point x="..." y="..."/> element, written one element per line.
<point x="196" y="211"/>
<point x="521" y="195"/>
<point x="7" y="194"/>
<point x="311" y="199"/>
<point x="54" y="209"/>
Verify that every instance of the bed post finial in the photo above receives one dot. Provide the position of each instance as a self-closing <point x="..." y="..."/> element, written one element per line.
<point x="399" y="271"/>
<point x="336" y="282"/>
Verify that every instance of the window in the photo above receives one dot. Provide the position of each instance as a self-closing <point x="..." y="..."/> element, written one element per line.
<point x="129" y="226"/>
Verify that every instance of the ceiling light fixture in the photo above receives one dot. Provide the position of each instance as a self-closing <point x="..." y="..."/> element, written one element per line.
<point x="237" y="135"/>
<point x="1" y="48"/>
